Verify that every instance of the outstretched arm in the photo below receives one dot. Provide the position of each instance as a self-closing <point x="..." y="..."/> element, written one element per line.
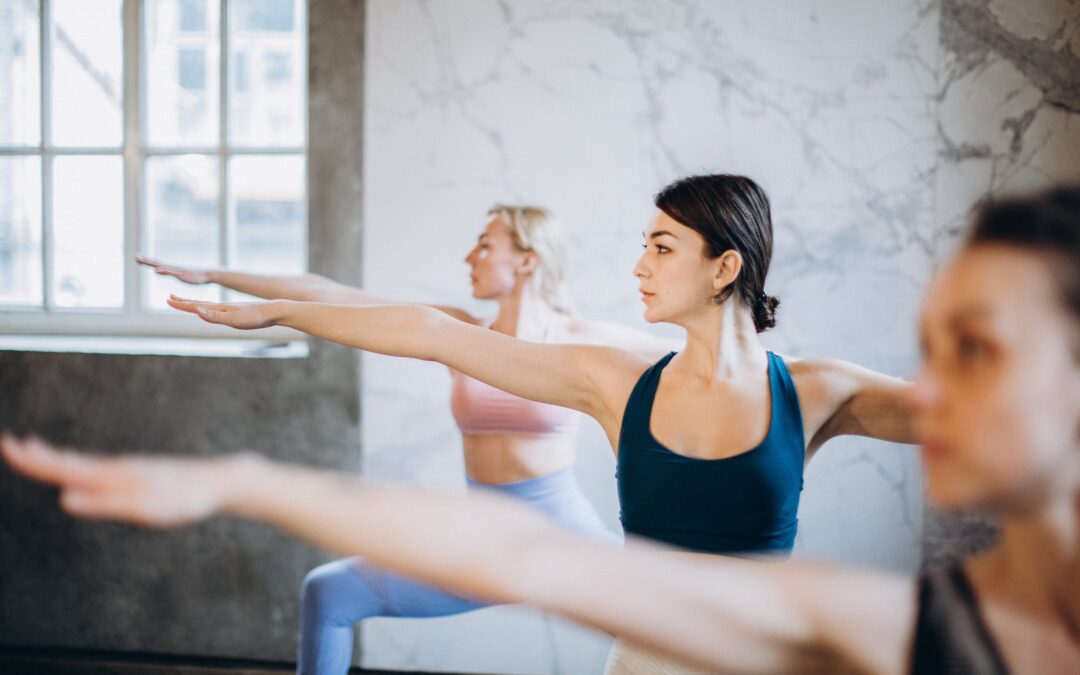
<point x="302" y="287"/>
<point x="594" y="380"/>
<point x="739" y="616"/>
<point x="610" y="334"/>
<point x="841" y="398"/>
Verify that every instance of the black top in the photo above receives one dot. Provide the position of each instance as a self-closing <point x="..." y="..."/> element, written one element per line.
<point x="951" y="637"/>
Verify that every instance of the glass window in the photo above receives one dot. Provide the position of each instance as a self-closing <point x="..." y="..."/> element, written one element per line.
<point x="87" y="73"/>
<point x="193" y="15"/>
<point x="20" y="230"/>
<point x="191" y="68"/>
<point x="81" y="194"/>
<point x="20" y="74"/>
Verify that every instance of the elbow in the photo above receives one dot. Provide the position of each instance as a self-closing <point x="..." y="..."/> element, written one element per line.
<point x="426" y="324"/>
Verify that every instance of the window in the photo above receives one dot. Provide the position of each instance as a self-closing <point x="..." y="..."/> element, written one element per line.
<point x="175" y="128"/>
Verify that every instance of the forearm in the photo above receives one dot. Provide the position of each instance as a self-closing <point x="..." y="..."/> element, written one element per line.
<point x="304" y="287"/>
<point x="394" y="330"/>
<point x="467" y="544"/>
<point x="715" y="612"/>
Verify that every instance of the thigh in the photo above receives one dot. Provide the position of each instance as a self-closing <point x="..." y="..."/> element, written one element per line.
<point x="404" y="597"/>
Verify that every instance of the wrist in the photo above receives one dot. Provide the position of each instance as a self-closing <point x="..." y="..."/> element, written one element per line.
<point x="243" y="477"/>
<point x="280" y="311"/>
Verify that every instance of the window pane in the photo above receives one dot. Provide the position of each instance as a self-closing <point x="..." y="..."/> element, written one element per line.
<point x="20" y="73"/>
<point x="182" y="222"/>
<point x="20" y="230"/>
<point x="267" y="214"/>
<point x="87" y="86"/>
<point x="267" y="72"/>
<point x="182" y="72"/>
<point x="88" y="232"/>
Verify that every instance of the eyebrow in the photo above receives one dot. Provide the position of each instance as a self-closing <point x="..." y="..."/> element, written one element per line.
<point x="972" y="313"/>
<point x="659" y="233"/>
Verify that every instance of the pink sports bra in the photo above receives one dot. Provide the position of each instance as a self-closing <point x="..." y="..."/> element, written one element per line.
<point x="482" y="409"/>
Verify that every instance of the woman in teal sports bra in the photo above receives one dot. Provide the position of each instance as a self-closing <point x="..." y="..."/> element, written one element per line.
<point x="721" y="402"/>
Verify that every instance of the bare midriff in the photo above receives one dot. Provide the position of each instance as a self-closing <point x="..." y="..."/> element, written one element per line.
<point x="509" y="458"/>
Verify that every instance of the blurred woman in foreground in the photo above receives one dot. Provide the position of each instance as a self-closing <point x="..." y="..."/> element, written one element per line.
<point x="998" y="415"/>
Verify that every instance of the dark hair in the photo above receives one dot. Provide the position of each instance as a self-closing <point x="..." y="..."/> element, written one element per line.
<point x="1046" y="223"/>
<point x="731" y="213"/>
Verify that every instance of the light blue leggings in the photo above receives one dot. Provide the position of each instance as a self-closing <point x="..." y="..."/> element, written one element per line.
<point x="339" y="593"/>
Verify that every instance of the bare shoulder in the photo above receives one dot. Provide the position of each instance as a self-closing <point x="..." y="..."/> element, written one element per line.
<point x="613" y="372"/>
<point x="817" y="382"/>
<point x="829" y="382"/>
<point x="460" y="314"/>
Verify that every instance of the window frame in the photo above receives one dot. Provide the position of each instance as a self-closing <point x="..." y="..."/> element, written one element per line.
<point x="135" y="318"/>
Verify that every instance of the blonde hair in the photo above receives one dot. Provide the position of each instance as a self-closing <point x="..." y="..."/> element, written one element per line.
<point x="534" y="228"/>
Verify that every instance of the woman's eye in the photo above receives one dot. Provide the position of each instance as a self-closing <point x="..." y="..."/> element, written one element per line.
<point x="662" y="249"/>
<point x="970" y="350"/>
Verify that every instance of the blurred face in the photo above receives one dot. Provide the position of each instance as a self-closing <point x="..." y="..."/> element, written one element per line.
<point x="998" y="396"/>
<point x="496" y="263"/>
<point x="675" y="277"/>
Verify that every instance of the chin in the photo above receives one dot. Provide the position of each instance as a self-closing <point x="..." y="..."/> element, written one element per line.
<point x="959" y="494"/>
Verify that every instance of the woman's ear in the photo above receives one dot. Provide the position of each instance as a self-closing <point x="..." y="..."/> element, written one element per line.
<point x="727" y="269"/>
<point x="528" y="263"/>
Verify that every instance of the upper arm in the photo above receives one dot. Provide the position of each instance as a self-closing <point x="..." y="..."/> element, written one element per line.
<point x="840" y="398"/>
<point x="322" y="289"/>
<point x="588" y="378"/>
<point x="648" y="346"/>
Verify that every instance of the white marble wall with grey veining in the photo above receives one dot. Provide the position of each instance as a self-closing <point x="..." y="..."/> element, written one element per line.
<point x="1009" y="121"/>
<point x="1009" y="110"/>
<point x="589" y="107"/>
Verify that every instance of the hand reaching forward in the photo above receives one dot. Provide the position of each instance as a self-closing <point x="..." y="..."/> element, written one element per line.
<point x="242" y="315"/>
<point x="185" y="274"/>
<point x="157" y="492"/>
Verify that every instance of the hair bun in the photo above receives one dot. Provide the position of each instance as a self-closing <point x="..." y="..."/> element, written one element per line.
<point x="764" y="310"/>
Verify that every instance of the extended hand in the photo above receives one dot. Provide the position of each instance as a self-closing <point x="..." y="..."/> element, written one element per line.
<point x="143" y="490"/>
<point x="187" y="275"/>
<point x="243" y="315"/>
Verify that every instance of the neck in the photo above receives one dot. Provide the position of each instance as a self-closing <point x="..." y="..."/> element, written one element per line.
<point x="522" y="312"/>
<point x="1038" y="558"/>
<point x="722" y="342"/>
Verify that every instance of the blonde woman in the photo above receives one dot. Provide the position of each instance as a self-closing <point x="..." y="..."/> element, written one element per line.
<point x="513" y="446"/>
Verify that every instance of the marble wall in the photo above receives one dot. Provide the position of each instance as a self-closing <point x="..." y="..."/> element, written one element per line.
<point x="874" y="127"/>
<point x="590" y="107"/>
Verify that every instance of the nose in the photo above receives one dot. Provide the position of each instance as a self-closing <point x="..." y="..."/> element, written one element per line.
<point x="926" y="392"/>
<point x="470" y="255"/>
<point x="641" y="270"/>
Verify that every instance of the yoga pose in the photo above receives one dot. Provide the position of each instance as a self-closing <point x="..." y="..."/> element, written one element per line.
<point x="512" y="445"/>
<point x="711" y="441"/>
<point x="997" y="407"/>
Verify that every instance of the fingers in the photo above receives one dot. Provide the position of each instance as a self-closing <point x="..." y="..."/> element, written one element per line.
<point x="158" y="266"/>
<point x="193" y="306"/>
<point x="40" y="461"/>
<point x="211" y="312"/>
<point x="103" y="505"/>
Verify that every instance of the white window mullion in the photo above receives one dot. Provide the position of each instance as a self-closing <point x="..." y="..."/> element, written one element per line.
<point x="225" y="243"/>
<point x="132" y="150"/>
<point x="45" y="43"/>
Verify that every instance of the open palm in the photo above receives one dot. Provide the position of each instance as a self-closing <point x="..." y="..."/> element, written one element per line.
<point x="142" y="490"/>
